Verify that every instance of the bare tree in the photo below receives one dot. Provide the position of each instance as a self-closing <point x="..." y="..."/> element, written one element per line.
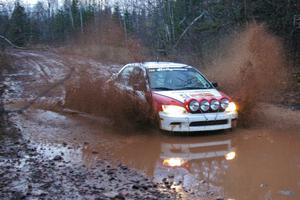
<point x="187" y="28"/>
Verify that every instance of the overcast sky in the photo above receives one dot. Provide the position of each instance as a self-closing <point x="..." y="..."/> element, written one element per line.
<point x="33" y="2"/>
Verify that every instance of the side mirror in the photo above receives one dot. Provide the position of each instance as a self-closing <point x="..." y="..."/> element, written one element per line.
<point x="112" y="79"/>
<point x="215" y="84"/>
<point x="114" y="76"/>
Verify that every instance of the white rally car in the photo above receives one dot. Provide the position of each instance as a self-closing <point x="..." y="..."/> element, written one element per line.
<point x="182" y="97"/>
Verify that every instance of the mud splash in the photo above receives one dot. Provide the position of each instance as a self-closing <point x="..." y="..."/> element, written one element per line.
<point x="252" y="70"/>
<point x="97" y="97"/>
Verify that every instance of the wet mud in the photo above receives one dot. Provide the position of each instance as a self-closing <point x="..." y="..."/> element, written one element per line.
<point x="45" y="172"/>
<point x="260" y="162"/>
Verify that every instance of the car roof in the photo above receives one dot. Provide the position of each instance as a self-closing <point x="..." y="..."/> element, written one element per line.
<point x="150" y="65"/>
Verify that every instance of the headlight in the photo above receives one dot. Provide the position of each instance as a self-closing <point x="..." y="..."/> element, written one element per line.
<point x="224" y="103"/>
<point x="204" y="105"/>
<point x="214" y="105"/>
<point x="194" y="105"/>
<point x="231" y="107"/>
<point x="173" y="109"/>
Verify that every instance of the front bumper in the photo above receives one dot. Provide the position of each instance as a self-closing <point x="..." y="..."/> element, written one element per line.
<point x="198" y="122"/>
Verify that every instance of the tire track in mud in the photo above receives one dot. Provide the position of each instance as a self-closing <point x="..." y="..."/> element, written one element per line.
<point x="48" y="73"/>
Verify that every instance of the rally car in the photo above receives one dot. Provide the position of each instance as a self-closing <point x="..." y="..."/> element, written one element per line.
<point x="183" y="99"/>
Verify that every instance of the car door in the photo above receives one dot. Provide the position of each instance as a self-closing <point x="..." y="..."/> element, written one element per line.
<point x="132" y="80"/>
<point x="122" y="79"/>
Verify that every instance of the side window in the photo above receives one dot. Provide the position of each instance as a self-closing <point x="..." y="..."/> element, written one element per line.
<point x="136" y="77"/>
<point x="133" y="77"/>
<point x="124" y="75"/>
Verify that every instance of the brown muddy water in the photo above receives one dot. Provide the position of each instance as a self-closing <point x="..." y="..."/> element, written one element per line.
<point x="256" y="163"/>
<point x="261" y="162"/>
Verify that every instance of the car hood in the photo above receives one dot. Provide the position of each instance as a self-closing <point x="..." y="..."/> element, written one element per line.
<point x="184" y="95"/>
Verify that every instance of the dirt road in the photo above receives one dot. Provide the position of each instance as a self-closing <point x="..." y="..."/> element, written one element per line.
<point x="261" y="162"/>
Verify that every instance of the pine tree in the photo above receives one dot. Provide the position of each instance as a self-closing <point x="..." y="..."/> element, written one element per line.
<point x="18" y="25"/>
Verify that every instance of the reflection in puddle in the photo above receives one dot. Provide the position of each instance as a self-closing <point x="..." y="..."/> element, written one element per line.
<point x="246" y="164"/>
<point x="195" y="167"/>
<point x="197" y="151"/>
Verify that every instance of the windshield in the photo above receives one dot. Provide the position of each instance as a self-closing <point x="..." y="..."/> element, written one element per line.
<point x="185" y="78"/>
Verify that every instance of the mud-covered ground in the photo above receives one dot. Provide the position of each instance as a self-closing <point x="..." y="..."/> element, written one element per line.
<point x="29" y="173"/>
<point x="50" y="152"/>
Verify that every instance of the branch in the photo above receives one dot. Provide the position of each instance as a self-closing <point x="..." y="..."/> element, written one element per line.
<point x="187" y="28"/>
<point x="10" y="43"/>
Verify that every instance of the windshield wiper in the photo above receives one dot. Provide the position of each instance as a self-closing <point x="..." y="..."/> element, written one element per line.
<point x="162" y="88"/>
<point x="191" y="88"/>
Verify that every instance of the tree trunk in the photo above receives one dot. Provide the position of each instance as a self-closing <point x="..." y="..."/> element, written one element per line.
<point x="81" y="20"/>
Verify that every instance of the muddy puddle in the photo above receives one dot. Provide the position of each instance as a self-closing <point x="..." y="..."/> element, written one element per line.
<point x="261" y="162"/>
<point x="256" y="163"/>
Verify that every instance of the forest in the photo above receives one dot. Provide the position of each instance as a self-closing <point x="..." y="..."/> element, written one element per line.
<point x="184" y="30"/>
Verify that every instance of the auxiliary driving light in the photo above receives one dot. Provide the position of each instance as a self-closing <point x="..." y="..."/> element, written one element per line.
<point x="204" y="105"/>
<point x="224" y="103"/>
<point x="194" y="105"/>
<point x="214" y="105"/>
